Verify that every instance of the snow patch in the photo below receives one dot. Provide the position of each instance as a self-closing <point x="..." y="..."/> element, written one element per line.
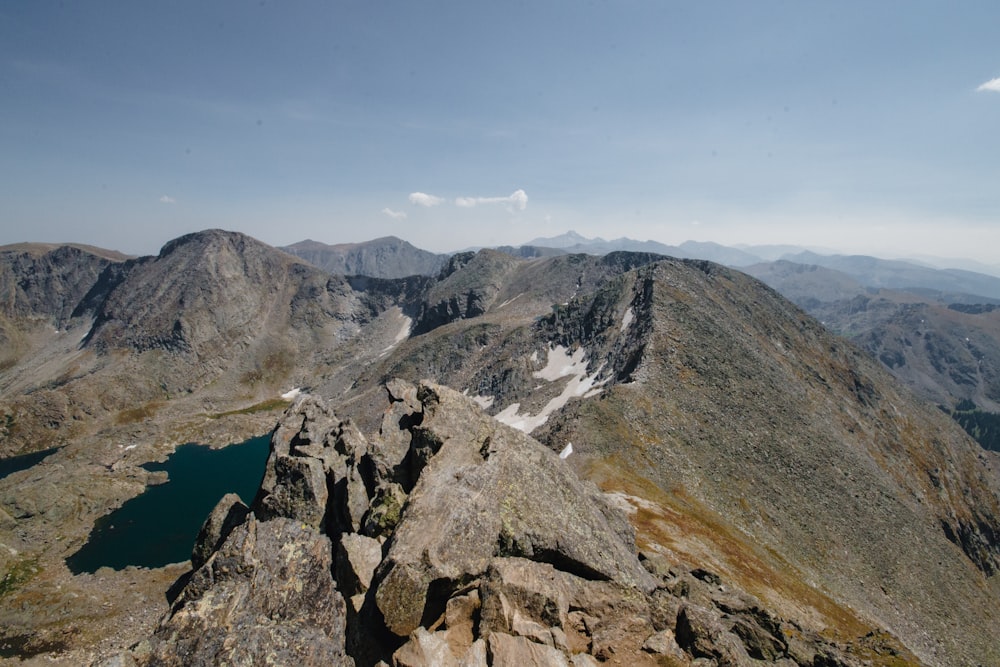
<point x="508" y="301"/>
<point x="560" y="364"/>
<point x="485" y="402"/>
<point x="627" y="319"/>
<point x="292" y="394"/>
<point x="403" y="334"/>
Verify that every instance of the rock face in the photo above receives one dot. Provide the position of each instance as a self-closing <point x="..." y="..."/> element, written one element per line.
<point x="266" y="596"/>
<point x="387" y="257"/>
<point x="500" y="555"/>
<point x="476" y="498"/>
<point x="38" y="280"/>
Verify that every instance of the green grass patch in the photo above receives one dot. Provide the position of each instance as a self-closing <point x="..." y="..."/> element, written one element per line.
<point x="20" y="572"/>
<point x="264" y="406"/>
<point x="138" y="414"/>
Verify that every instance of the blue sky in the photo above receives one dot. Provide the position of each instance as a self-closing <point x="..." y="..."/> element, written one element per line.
<point x="858" y="126"/>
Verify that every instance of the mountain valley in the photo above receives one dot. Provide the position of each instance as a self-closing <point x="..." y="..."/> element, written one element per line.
<point x="755" y="454"/>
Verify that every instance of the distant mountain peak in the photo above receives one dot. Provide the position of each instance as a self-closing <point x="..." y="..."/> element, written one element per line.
<point x="566" y="240"/>
<point x="384" y="257"/>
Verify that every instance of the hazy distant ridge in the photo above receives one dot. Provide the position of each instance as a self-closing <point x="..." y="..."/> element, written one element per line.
<point x="386" y="257"/>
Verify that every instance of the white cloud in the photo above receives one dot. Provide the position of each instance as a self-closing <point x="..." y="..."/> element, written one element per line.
<point x="518" y="199"/>
<point x="167" y="199"/>
<point x="395" y="215"/>
<point x="993" y="85"/>
<point x="424" y="199"/>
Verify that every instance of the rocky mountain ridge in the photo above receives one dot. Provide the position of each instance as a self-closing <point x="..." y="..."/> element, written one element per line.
<point x="387" y="257"/>
<point x="453" y="549"/>
<point x="944" y="346"/>
<point x="741" y="437"/>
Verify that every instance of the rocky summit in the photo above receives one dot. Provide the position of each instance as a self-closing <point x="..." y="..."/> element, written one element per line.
<point x="739" y="484"/>
<point x="472" y="545"/>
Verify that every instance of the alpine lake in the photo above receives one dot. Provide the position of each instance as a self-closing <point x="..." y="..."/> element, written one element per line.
<point x="160" y="526"/>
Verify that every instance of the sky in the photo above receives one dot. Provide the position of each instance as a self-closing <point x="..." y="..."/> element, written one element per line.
<point x="860" y="127"/>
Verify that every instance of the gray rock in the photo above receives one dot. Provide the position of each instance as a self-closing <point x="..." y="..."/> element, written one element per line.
<point x="319" y="471"/>
<point x="393" y="446"/>
<point x="310" y="420"/>
<point x="357" y="558"/>
<point x="698" y="629"/>
<point x="298" y="490"/>
<point x="265" y="597"/>
<point x="664" y="643"/>
<point x="701" y="632"/>
<point x="228" y="513"/>
<point x="295" y="477"/>
<point x="521" y="596"/>
<point x="507" y="651"/>
<point x="759" y="643"/>
<point x="385" y="510"/>
<point x="425" y="649"/>
<point x="469" y="503"/>
<point x="475" y="656"/>
<point x="355" y="502"/>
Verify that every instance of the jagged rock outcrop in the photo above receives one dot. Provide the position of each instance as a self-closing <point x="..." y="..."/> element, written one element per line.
<point x="464" y="294"/>
<point x="473" y="502"/>
<point x="500" y="555"/>
<point x="267" y="596"/>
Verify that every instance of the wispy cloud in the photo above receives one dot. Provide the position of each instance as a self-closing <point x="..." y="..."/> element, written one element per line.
<point x="167" y="199"/>
<point x="424" y="199"/>
<point x="395" y="215"/>
<point x="518" y="199"/>
<point x="993" y="86"/>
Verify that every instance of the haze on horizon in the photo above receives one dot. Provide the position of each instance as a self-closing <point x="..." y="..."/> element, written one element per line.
<point x="857" y="127"/>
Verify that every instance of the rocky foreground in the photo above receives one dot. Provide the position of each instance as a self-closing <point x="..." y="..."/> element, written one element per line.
<point x="451" y="539"/>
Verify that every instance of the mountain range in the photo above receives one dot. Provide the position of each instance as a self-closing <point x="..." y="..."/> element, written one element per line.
<point x="757" y="454"/>
<point x="863" y="298"/>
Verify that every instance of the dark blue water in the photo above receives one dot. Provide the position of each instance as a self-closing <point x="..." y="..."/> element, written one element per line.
<point x="160" y="526"/>
<point x="14" y="464"/>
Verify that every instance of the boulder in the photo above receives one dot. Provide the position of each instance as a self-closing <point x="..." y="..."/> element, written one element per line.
<point x="702" y="633"/>
<point x="425" y="649"/>
<point x="357" y="558"/>
<point x="664" y="643"/>
<point x="319" y="471"/>
<point x="521" y="596"/>
<point x="486" y="489"/>
<point x="266" y="596"/>
<point x="301" y="493"/>
<point x="461" y="618"/>
<point x="508" y="651"/>
<point x="228" y="513"/>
